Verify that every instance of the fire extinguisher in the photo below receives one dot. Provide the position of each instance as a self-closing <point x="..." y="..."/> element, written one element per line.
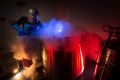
<point x="108" y="58"/>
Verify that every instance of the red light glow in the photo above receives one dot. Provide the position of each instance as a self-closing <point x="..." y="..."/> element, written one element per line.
<point x="72" y="57"/>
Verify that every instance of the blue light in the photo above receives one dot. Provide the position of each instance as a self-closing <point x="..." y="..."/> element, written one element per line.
<point x="55" y="28"/>
<point x="59" y="27"/>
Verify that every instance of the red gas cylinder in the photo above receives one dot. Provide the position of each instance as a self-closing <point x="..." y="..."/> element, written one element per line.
<point x="65" y="59"/>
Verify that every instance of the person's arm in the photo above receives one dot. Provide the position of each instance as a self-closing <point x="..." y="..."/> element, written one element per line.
<point x="22" y="20"/>
<point x="39" y="25"/>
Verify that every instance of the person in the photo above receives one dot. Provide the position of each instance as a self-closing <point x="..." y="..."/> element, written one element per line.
<point x="28" y="25"/>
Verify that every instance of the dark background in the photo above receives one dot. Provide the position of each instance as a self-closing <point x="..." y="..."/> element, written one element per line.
<point x="85" y="15"/>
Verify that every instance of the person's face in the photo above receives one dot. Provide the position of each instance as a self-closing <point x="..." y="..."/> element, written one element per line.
<point x="31" y="18"/>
